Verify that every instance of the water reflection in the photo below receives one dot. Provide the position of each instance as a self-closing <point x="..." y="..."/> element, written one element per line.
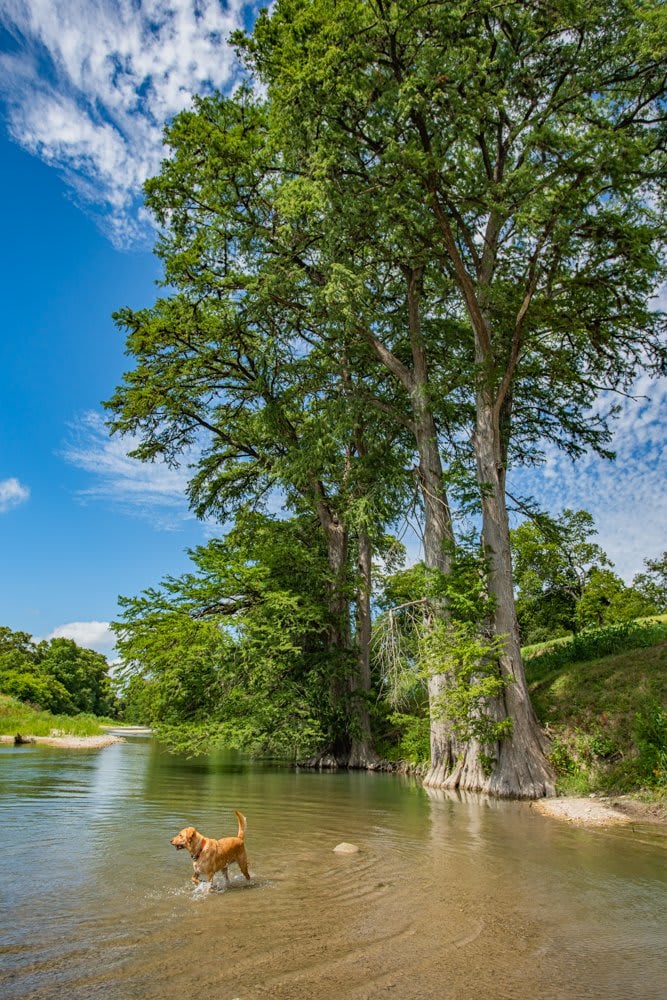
<point x="448" y="897"/>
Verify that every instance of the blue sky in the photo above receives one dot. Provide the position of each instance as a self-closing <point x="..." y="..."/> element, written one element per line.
<point x="87" y="85"/>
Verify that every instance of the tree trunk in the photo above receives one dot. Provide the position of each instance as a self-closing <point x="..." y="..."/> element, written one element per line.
<point x="438" y="530"/>
<point x="438" y="541"/>
<point x="337" y="549"/>
<point x="362" y="754"/>
<point x="520" y="768"/>
<point x="337" y="541"/>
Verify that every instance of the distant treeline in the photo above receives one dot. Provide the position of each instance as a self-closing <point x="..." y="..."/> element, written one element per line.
<point x="56" y="675"/>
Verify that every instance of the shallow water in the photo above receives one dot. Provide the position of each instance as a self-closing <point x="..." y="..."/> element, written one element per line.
<point x="446" y="898"/>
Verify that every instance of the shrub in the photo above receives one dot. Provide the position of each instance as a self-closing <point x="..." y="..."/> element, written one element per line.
<point x="36" y="689"/>
<point x="408" y="740"/>
<point x="650" y="737"/>
<point x="595" y="643"/>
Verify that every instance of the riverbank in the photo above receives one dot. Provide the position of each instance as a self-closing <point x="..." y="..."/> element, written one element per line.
<point x="590" y="811"/>
<point x="601" y="811"/>
<point x="67" y="741"/>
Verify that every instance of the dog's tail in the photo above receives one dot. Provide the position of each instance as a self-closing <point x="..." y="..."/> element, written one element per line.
<point x="242" y="824"/>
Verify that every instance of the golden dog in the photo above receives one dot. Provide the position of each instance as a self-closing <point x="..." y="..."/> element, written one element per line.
<point x="210" y="856"/>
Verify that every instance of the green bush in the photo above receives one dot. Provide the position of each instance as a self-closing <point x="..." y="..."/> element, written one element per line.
<point x="36" y="689"/>
<point x="408" y="740"/>
<point x="593" y="644"/>
<point x="650" y="737"/>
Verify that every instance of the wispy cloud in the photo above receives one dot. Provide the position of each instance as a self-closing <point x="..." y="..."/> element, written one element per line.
<point x="12" y="494"/>
<point x="627" y="497"/>
<point x="89" y="85"/>
<point x="90" y="635"/>
<point x="146" y="489"/>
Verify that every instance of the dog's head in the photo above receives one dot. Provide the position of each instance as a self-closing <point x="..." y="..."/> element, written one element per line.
<point x="184" y="839"/>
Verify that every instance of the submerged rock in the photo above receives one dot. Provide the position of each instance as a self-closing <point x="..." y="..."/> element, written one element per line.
<point x="346" y="849"/>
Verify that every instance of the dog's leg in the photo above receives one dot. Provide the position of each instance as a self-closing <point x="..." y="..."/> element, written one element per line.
<point x="225" y="872"/>
<point x="243" y="865"/>
<point x="195" y="877"/>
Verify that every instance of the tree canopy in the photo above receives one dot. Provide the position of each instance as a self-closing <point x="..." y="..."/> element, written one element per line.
<point x="419" y="250"/>
<point x="55" y="674"/>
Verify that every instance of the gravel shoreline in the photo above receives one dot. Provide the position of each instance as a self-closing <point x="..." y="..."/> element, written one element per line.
<point x="68" y="742"/>
<point x="583" y="812"/>
<point x="594" y="811"/>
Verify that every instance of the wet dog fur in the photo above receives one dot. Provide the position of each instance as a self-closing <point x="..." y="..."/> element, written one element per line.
<point x="210" y="856"/>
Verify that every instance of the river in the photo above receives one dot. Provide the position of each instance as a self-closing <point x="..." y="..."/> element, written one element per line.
<point x="445" y="899"/>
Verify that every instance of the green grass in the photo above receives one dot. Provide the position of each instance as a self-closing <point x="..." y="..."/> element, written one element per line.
<point x="594" y="643"/>
<point x="606" y="715"/>
<point x="18" y="717"/>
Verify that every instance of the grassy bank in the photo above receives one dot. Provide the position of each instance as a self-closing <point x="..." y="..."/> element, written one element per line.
<point x="602" y="698"/>
<point x="17" y="717"/>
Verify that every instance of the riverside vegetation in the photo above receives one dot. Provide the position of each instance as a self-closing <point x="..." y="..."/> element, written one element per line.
<point x="601" y="697"/>
<point x="410" y="251"/>
<point x="415" y="247"/>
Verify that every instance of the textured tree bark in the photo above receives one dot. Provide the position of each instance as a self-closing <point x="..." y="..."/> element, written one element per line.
<point x="362" y="754"/>
<point x="438" y="530"/>
<point x="337" y="551"/>
<point x="438" y="540"/>
<point x="358" y="751"/>
<point x="522" y="769"/>
<point x="339" y="628"/>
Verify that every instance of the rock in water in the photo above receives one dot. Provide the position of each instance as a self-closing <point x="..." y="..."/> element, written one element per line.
<point x="346" y="849"/>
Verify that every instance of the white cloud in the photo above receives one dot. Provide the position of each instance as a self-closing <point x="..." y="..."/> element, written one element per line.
<point x="627" y="497"/>
<point x="12" y="494"/>
<point x="148" y="489"/>
<point x="91" y="84"/>
<point x="89" y="635"/>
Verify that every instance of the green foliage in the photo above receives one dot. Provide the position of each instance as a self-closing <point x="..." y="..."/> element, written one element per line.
<point x="58" y="675"/>
<point x="652" y="583"/>
<point x="650" y="736"/>
<point x="552" y="559"/>
<point x="606" y="599"/>
<point x="564" y="582"/>
<point x="592" y="644"/>
<point x="406" y="738"/>
<point x="18" y="717"/>
<point x="414" y="642"/>
<point x="37" y="689"/>
<point x="236" y="653"/>
<point x="470" y="661"/>
<point x="136" y="700"/>
<point x="83" y="673"/>
<point x="604" y="712"/>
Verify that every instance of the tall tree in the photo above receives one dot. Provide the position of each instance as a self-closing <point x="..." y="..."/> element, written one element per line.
<point x="652" y="582"/>
<point x="525" y="145"/>
<point x="247" y="359"/>
<point x="552" y="559"/>
<point x="236" y="651"/>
